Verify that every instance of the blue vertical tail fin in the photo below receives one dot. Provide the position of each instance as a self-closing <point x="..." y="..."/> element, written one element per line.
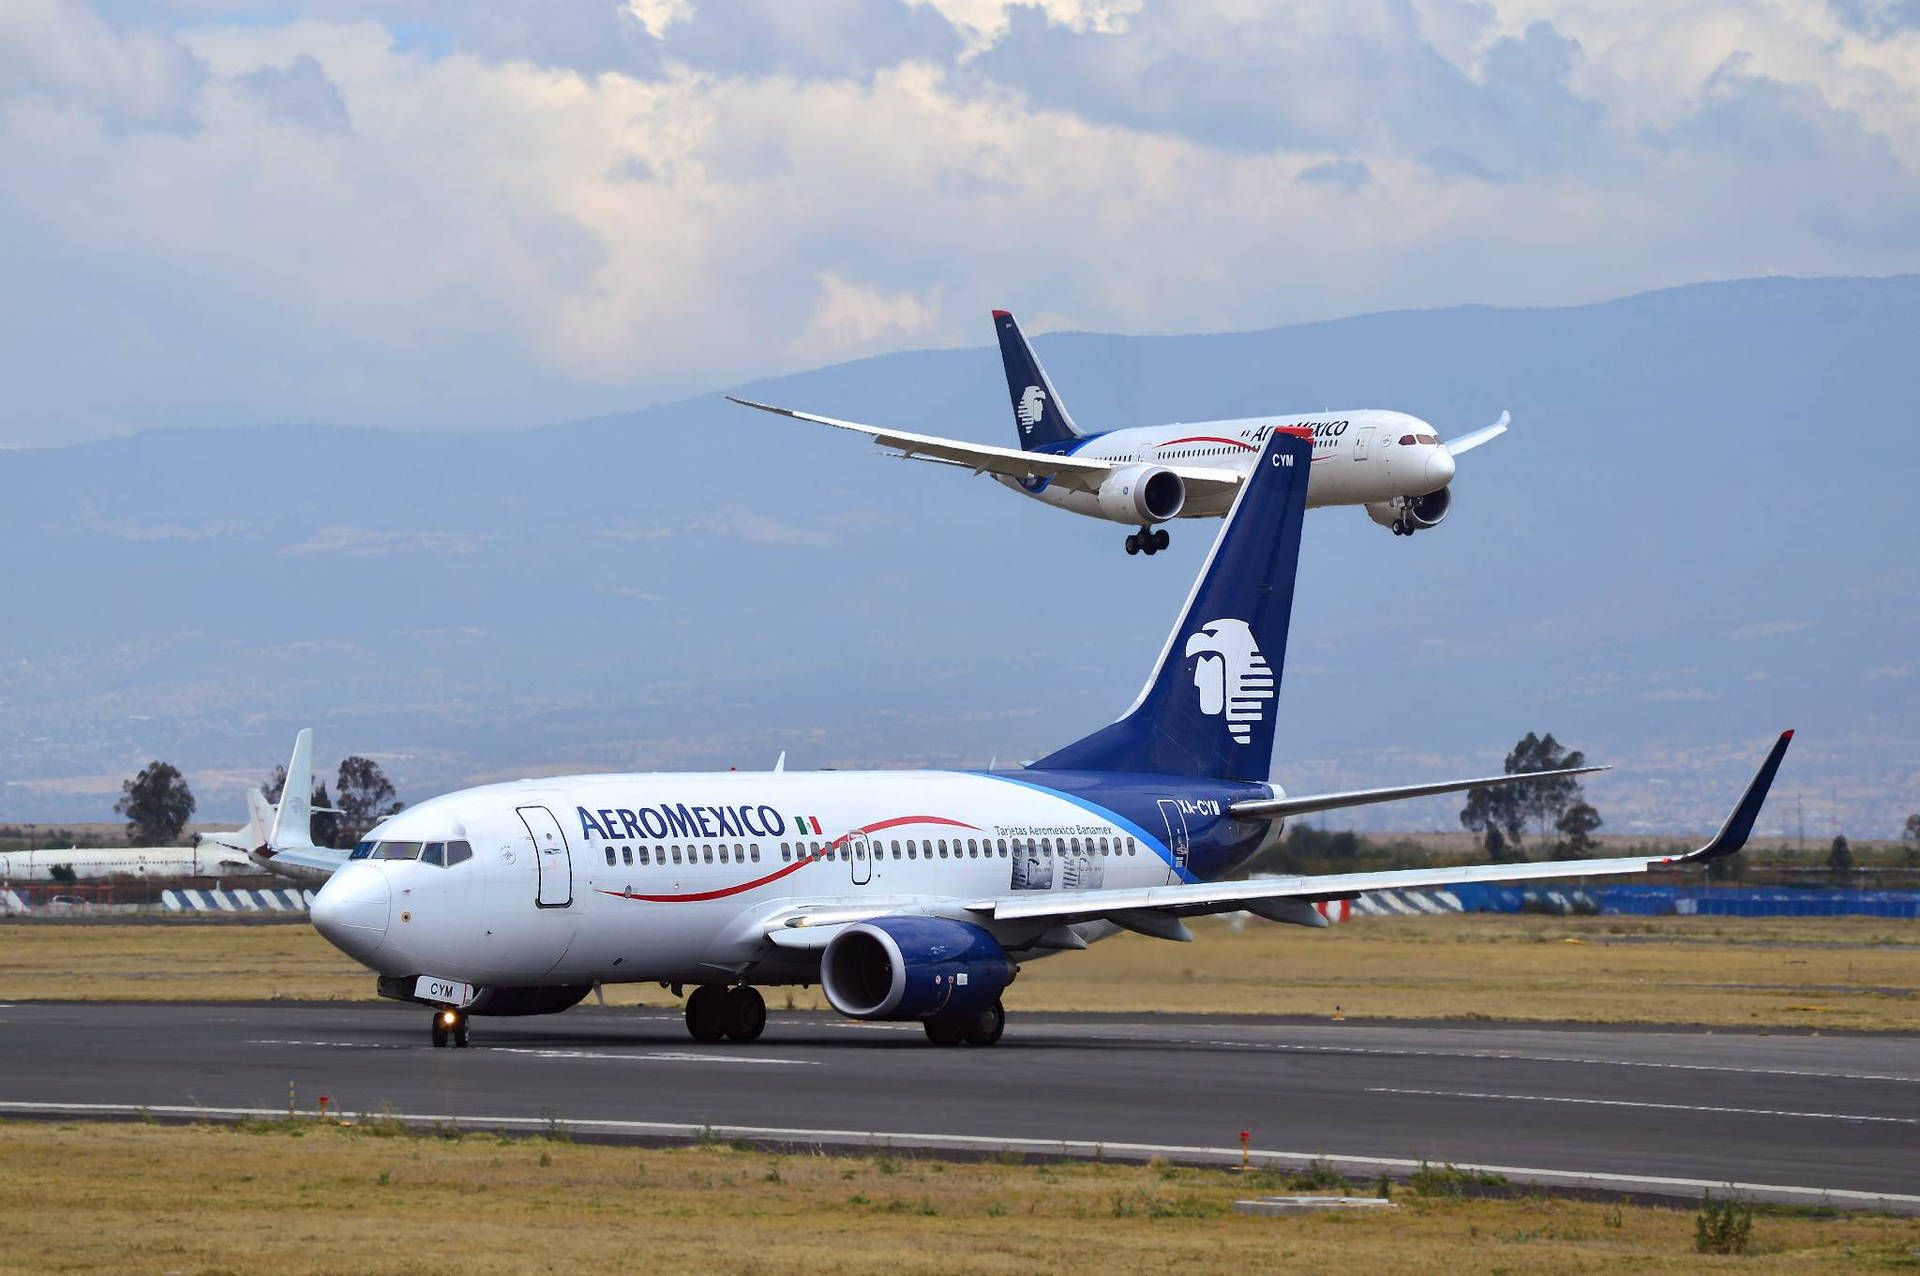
<point x="1209" y="707"/>
<point x="1038" y="414"/>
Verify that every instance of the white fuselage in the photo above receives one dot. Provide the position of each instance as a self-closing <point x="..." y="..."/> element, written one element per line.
<point x="682" y="878"/>
<point x="96" y="863"/>
<point x="1359" y="458"/>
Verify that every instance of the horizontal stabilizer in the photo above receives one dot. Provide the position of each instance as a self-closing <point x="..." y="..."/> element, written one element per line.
<point x="1275" y="808"/>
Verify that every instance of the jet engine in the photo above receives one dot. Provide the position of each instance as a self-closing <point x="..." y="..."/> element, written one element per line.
<point x="1409" y="514"/>
<point x="1142" y="495"/>
<point x="913" y="968"/>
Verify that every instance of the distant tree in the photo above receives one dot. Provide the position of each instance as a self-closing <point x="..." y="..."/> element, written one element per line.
<point x="1840" y="857"/>
<point x="1499" y="850"/>
<point x="366" y="797"/>
<point x="63" y="873"/>
<point x="156" y="803"/>
<point x="1511" y="808"/>
<point x="1728" y="868"/>
<point x="1575" y="826"/>
<point x="1911" y="836"/>
<point x="275" y="785"/>
<point x="326" y="819"/>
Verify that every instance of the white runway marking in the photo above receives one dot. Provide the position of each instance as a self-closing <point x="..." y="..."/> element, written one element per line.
<point x="556" y="1052"/>
<point x="1080" y="1149"/>
<point x="1635" y="1103"/>
<point x="1515" y="1056"/>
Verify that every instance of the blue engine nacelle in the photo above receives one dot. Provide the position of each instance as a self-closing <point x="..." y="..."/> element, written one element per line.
<point x="913" y="968"/>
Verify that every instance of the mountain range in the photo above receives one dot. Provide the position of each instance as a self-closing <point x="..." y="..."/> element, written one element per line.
<point x="1700" y="529"/>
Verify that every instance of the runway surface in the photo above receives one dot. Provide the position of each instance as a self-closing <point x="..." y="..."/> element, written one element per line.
<point x="1662" y="1112"/>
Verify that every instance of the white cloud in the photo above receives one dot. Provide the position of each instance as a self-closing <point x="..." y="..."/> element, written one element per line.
<point x="1769" y="629"/>
<point x="367" y="542"/>
<point x="1884" y="672"/>
<point x="326" y="221"/>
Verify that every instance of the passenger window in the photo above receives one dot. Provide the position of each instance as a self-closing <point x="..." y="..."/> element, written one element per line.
<point x="436" y="853"/>
<point x="643" y="855"/>
<point x="756" y="852"/>
<point x="706" y="854"/>
<point x="609" y="855"/>
<point x="676" y="855"/>
<point x="626" y="854"/>
<point x="896" y="848"/>
<point x="723" y="852"/>
<point x="911" y="853"/>
<point x="458" y="853"/>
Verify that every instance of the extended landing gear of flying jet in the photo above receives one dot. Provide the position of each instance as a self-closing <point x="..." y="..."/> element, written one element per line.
<point x="715" y="1011"/>
<point x="450" y="1028"/>
<point x="1148" y="540"/>
<point x="975" y="1028"/>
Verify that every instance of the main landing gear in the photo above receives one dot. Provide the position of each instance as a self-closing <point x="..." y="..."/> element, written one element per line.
<point x="450" y="1028"/>
<point x="715" y="1011"/>
<point x="1148" y="540"/>
<point x="974" y="1028"/>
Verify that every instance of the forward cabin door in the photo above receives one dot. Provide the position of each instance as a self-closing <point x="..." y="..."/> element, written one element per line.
<point x="1176" y="836"/>
<point x="551" y="854"/>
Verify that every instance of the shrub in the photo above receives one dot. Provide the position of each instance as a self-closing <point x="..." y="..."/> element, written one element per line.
<point x="1724" y="1226"/>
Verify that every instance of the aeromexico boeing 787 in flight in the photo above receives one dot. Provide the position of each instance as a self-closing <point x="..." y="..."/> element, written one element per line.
<point x="1389" y="462"/>
<point x="906" y="895"/>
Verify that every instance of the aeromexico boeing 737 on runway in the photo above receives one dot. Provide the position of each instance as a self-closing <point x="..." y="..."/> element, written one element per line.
<point x="1392" y="463"/>
<point x="907" y="895"/>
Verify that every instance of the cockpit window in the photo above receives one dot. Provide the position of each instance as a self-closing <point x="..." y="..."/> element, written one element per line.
<point x="436" y="853"/>
<point x="1426" y="438"/>
<point x="1407" y="440"/>
<point x="397" y="851"/>
<point x="458" y="853"/>
<point x="362" y="851"/>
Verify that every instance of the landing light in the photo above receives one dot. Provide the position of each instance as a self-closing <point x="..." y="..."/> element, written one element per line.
<point x="447" y="1018"/>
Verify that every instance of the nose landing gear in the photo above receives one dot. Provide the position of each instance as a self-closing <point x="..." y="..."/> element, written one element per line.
<point x="715" y="1011"/>
<point x="1148" y="540"/>
<point x="450" y="1028"/>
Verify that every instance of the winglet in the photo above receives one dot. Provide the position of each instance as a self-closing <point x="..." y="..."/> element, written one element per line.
<point x="1468" y="442"/>
<point x="1733" y="834"/>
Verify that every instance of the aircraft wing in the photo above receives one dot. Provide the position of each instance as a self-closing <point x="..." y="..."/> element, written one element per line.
<point x="1084" y="474"/>
<point x="1219" y="897"/>
<point x="321" y="860"/>
<point x="1470" y="441"/>
<point x="1160" y="906"/>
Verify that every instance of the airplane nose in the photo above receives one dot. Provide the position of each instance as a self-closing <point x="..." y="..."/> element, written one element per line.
<point x="350" y="912"/>
<point x="1439" y="468"/>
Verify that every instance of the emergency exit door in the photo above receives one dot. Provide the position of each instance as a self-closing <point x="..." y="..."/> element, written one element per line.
<point x="553" y="860"/>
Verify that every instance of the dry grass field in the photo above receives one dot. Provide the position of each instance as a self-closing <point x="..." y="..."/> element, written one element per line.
<point x="295" y="1199"/>
<point x="1734" y="972"/>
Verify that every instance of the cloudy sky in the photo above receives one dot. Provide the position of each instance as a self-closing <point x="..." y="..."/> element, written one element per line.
<point x="484" y="213"/>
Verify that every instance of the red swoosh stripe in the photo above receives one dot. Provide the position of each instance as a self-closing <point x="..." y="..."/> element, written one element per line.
<point x="777" y="874"/>
<point x="1210" y="438"/>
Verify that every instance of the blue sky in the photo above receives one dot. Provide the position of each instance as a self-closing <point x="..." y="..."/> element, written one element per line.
<point x="452" y="214"/>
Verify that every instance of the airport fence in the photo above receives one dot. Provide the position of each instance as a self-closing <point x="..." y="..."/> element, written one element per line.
<point x="1686" y="901"/>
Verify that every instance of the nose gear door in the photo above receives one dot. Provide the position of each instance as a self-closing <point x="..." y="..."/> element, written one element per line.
<point x="1176" y="836"/>
<point x="860" y="858"/>
<point x="551" y="855"/>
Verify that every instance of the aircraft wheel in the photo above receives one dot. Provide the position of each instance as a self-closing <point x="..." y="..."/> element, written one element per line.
<point x="745" y="1013"/>
<point x="1160" y="538"/>
<point x="1133" y="544"/>
<point x="706" y="1014"/>
<point x="945" y="1030"/>
<point x="440" y="1034"/>
<point x="983" y="1027"/>
<point x="460" y="1040"/>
